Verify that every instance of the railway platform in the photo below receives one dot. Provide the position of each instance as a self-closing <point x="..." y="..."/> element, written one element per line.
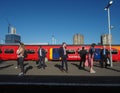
<point x="53" y="79"/>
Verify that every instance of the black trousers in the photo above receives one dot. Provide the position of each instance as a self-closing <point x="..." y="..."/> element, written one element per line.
<point x="21" y="63"/>
<point x="83" y="59"/>
<point x="42" y="61"/>
<point x="104" y="61"/>
<point x="64" y="61"/>
<point x="18" y="62"/>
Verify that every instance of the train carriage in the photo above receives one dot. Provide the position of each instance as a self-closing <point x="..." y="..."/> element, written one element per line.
<point x="8" y="52"/>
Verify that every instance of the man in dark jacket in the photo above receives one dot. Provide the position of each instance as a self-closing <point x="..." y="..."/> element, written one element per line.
<point x="82" y="53"/>
<point x="104" y="56"/>
<point x="41" y="55"/>
<point x="63" y="55"/>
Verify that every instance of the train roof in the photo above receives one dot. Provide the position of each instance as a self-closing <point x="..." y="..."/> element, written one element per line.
<point x="34" y="44"/>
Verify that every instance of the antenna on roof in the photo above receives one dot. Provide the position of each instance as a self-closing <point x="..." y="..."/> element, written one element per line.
<point x="9" y="26"/>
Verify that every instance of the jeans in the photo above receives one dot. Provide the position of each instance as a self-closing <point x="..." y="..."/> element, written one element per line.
<point x="42" y="62"/>
<point x="64" y="61"/>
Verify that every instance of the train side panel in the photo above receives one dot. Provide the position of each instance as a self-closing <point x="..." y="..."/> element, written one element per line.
<point x="8" y="52"/>
<point x="116" y="53"/>
<point x="31" y="52"/>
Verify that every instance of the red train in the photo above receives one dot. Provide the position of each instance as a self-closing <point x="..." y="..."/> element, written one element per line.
<point x="8" y="52"/>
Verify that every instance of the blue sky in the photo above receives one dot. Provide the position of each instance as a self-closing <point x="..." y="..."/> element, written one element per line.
<point x="37" y="20"/>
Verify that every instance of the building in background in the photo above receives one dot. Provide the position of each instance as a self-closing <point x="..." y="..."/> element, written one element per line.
<point x="106" y="39"/>
<point x="78" y="39"/>
<point x="12" y="37"/>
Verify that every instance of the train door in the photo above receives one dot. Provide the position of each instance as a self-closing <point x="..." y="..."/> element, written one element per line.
<point x="56" y="55"/>
<point x="97" y="55"/>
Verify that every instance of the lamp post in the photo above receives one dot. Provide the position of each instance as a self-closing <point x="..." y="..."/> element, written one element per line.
<point x="109" y="29"/>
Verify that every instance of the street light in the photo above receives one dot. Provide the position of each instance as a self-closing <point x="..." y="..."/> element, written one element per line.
<point x="109" y="28"/>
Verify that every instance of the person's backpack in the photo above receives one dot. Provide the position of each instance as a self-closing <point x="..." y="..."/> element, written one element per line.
<point x="25" y="54"/>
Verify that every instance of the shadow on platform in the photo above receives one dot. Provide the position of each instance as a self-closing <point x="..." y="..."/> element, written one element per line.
<point x="5" y="66"/>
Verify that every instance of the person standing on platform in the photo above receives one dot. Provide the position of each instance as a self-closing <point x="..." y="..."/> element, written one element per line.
<point x="91" y="57"/>
<point x="63" y="55"/>
<point x="82" y="53"/>
<point x="104" y="56"/>
<point x="20" y="55"/>
<point x="18" y="65"/>
<point x="41" y="55"/>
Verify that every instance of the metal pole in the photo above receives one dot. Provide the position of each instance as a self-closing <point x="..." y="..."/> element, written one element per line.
<point x="110" y="36"/>
<point x="53" y="39"/>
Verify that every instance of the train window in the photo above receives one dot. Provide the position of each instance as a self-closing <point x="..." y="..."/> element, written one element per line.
<point x="9" y="51"/>
<point x="114" y="51"/>
<point x="0" y="51"/>
<point x="71" y="51"/>
<point x="30" y="51"/>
